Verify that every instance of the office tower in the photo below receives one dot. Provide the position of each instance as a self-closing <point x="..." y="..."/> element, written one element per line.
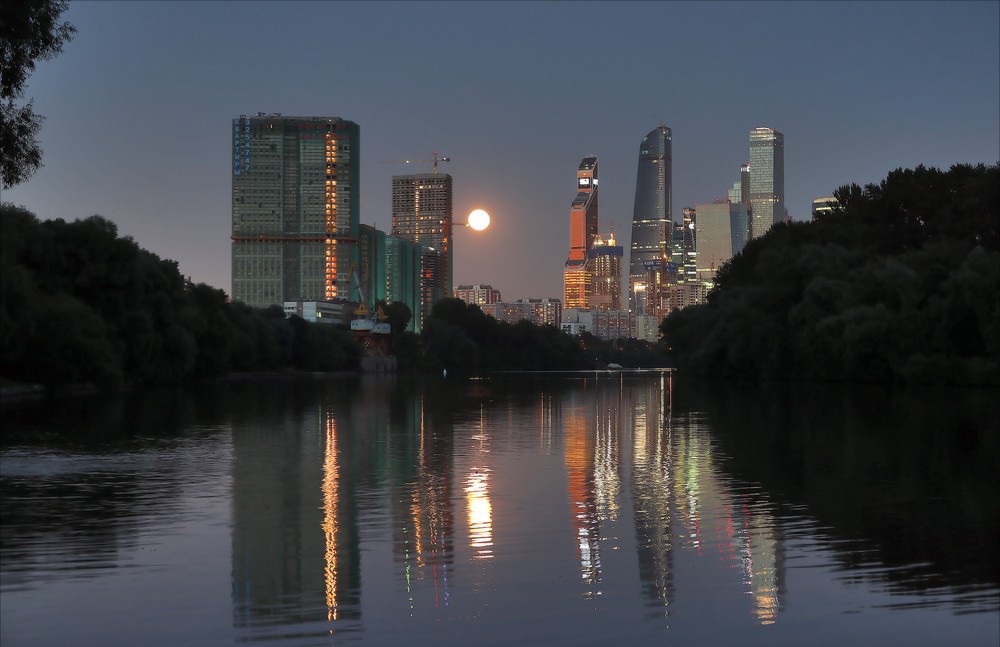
<point x="295" y="208"/>
<point x="721" y="235"/>
<point x="422" y="214"/>
<point x="684" y="250"/>
<point x="824" y="206"/>
<point x="767" y="179"/>
<point x="605" y="259"/>
<point x="582" y="233"/>
<point x="652" y="217"/>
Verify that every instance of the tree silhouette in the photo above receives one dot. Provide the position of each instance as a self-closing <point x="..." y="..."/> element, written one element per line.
<point x="29" y="31"/>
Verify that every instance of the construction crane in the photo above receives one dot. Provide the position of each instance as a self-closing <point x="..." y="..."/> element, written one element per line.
<point x="363" y="322"/>
<point x="368" y="317"/>
<point x="435" y="160"/>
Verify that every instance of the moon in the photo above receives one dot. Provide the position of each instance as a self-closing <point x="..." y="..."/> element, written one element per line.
<point x="479" y="219"/>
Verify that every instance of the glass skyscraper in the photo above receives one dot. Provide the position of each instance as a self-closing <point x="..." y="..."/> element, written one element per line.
<point x="767" y="180"/>
<point x="652" y="217"/>
<point x="295" y="208"/>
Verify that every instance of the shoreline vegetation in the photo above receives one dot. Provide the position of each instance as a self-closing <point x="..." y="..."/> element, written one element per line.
<point x="899" y="284"/>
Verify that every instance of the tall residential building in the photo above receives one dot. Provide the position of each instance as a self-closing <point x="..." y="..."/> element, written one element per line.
<point x="767" y="179"/>
<point x="422" y="214"/>
<point x="652" y="216"/>
<point x="605" y="260"/>
<point x="295" y="208"/>
<point x="582" y="234"/>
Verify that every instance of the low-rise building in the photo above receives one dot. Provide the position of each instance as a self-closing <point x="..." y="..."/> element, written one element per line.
<point x="614" y="324"/>
<point x="339" y="312"/>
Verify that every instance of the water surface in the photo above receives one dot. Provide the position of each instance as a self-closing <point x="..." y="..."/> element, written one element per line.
<point x="578" y="509"/>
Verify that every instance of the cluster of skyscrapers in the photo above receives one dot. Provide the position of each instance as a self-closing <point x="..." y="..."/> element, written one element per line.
<point x="297" y="236"/>
<point x="672" y="261"/>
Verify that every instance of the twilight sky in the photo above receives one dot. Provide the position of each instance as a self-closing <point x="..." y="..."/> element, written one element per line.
<point x="138" y="107"/>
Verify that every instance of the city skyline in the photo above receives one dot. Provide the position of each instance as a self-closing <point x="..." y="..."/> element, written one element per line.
<point x="134" y="127"/>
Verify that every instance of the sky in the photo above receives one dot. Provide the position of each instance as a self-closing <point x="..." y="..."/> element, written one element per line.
<point x="139" y="106"/>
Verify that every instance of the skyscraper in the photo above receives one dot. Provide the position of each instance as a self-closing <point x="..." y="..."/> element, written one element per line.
<point x="721" y="235"/>
<point x="295" y="208"/>
<point x="767" y="179"/>
<point x="605" y="260"/>
<point x="582" y="233"/>
<point x="652" y="217"/>
<point x="740" y="193"/>
<point x="422" y="214"/>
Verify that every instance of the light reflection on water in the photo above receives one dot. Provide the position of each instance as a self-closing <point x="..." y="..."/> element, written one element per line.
<point x="557" y="511"/>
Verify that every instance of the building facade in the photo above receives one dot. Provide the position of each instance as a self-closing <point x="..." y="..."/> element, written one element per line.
<point x="295" y="208"/>
<point x="339" y="312"/>
<point x="402" y="277"/>
<point x="824" y="206"/>
<point x="767" y="180"/>
<point x="613" y="324"/>
<point x="740" y="193"/>
<point x="541" y="312"/>
<point x="422" y="214"/>
<point x="605" y="260"/>
<point x="371" y="270"/>
<point x="583" y="223"/>
<point x="652" y="216"/>
<point x="478" y="294"/>
<point x="721" y="234"/>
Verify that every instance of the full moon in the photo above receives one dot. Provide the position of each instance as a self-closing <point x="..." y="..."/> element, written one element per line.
<point x="479" y="220"/>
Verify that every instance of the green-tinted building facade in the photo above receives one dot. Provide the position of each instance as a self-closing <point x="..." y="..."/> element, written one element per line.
<point x="295" y="208"/>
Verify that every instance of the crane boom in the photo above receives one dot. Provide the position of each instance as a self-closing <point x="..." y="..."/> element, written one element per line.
<point x="435" y="161"/>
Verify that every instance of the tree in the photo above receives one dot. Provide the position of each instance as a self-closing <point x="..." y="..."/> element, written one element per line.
<point x="29" y="31"/>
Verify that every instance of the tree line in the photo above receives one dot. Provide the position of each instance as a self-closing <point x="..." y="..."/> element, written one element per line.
<point x="900" y="283"/>
<point x="80" y="304"/>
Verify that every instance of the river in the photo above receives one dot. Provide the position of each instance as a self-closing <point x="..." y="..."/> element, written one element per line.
<point x="607" y="508"/>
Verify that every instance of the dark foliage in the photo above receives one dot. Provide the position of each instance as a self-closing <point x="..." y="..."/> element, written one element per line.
<point x="29" y="31"/>
<point x="79" y="304"/>
<point x="463" y="339"/>
<point x="901" y="283"/>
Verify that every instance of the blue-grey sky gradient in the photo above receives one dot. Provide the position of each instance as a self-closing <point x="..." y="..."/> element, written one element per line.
<point x="138" y="107"/>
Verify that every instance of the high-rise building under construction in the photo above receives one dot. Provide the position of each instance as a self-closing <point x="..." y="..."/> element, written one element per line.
<point x="422" y="214"/>
<point x="295" y="208"/>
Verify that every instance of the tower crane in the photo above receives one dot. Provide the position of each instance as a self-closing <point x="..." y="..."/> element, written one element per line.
<point x="435" y="160"/>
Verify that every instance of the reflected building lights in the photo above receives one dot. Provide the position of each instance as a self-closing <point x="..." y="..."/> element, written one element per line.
<point x="480" y="512"/>
<point x="579" y="456"/>
<point x="330" y="497"/>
